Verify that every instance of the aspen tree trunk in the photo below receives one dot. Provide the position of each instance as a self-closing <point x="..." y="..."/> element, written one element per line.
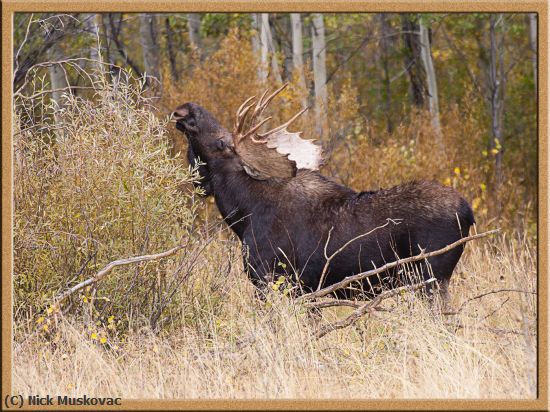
<point x="58" y="79"/>
<point x="149" y="47"/>
<point x="92" y="22"/>
<point x="319" y="73"/>
<point x="268" y="48"/>
<point x="261" y="47"/>
<point x="496" y="89"/>
<point x="256" y="44"/>
<point x="433" y="101"/>
<point x="59" y="84"/>
<point x="298" y="54"/>
<point x="194" y="27"/>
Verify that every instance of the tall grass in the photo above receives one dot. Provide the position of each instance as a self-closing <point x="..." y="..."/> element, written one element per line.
<point x="235" y="346"/>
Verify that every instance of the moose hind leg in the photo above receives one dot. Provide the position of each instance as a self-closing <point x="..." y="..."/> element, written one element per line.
<point x="442" y="267"/>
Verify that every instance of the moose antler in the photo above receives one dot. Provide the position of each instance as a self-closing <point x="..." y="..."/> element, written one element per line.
<point x="276" y="153"/>
<point x="244" y="109"/>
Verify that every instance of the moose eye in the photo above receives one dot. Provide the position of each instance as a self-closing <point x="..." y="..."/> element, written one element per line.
<point x="220" y="144"/>
<point x="190" y="121"/>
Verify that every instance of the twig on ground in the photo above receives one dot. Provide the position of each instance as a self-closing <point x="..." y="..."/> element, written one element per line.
<point x="460" y="325"/>
<point x="485" y="294"/>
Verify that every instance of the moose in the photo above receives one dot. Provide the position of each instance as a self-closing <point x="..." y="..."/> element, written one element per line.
<point x="288" y="216"/>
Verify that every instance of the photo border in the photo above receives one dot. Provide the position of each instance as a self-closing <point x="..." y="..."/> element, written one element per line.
<point x="540" y="7"/>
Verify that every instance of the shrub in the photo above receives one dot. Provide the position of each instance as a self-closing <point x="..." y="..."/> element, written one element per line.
<point x="94" y="182"/>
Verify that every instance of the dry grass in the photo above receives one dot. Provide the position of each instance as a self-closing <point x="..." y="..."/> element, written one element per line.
<point x="235" y="346"/>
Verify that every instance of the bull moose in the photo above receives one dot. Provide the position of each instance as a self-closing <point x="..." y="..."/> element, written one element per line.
<point x="287" y="215"/>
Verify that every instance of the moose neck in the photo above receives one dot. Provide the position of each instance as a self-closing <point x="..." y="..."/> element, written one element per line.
<point x="239" y="197"/>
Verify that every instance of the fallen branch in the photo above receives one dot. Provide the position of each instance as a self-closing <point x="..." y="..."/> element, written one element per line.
<point x="369" y="307"/>
<point x="460" y="325"/>
<point x="333" y="302"/>
<point x="360" y="276"/>
<point x="120" y="262"/>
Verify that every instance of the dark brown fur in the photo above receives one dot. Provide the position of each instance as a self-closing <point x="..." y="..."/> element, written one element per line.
<point x="284" y="224"/>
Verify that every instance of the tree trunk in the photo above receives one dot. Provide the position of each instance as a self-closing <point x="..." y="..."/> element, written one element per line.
<point x="106" y="35"/>
<point x="384" y="48"/>
<point x="170" y="47"/>
<point x="433" y="101"/>
<point x="496" y="89"/>
<point x="413" y="58"/>
<point x="58" y="76"/>
<point x="268" y="48"/>
<point x="319" y="73"/>
<point x="257" y="46"/>
<point x="298" y="54"/>
<point x="59" y="85"/>
<point x="92" y="22"/>
<point x="194" y="27"/>
<point x="532" y="18"/>
<point x="285" y="44"/>
<point x="149" y="47"/>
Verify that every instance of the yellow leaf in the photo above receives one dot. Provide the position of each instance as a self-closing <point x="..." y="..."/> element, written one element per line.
<point x="447" y="182"/>
<point x="483" y="187"/>
<point x="494" y="151"/>
<point x="111" y="319"/>
<point x="103" y="339"/>
<point x="475" y="203"/>
<point x="457" y="171"/>
<point x="40" y="320"/>
<point x="45" y="327"/>
<point x="49" y="310"/>
<point x="94" y="336"/>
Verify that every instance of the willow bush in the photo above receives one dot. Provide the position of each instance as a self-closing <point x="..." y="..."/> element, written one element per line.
<point x="94" y="181"/>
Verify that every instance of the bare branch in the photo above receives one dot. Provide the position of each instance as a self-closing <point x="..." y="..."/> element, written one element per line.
<point x="345" y="245"/>
<point x="360" y="276"/>
<point x="120" y="262"/>
<point x="21" y="45"/>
